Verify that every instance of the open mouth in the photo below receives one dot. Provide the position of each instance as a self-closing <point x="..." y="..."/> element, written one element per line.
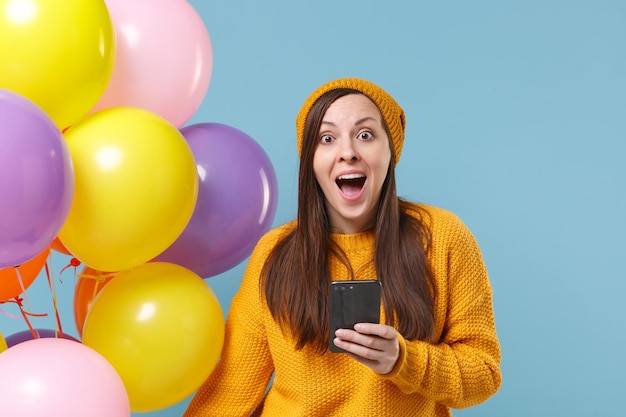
<point x="351" y="184"/>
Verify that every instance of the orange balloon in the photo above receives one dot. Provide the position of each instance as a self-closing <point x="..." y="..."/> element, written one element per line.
<point x="10" y="286"/>
<point x="88" y="287"/>
<point x="59" y="247"/>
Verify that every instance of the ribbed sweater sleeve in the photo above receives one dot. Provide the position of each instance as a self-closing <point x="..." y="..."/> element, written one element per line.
<point x="460" y="368"/>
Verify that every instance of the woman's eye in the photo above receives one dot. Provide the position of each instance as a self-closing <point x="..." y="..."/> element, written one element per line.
<point x="365" y="135"/>
<point x="326" y="139"/>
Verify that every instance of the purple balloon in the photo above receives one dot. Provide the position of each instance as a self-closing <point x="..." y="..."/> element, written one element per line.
<point x="236" y="203"/>
<point x="36" y="180"/>
<point x="25" y="335"/>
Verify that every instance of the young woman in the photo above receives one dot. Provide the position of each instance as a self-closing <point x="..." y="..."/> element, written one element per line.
<point x="436" y="346"/>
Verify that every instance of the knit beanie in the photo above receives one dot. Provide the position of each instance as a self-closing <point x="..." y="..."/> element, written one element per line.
<point x="389" y="108"/>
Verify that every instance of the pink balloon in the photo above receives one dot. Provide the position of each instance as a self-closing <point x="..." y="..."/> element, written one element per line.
<point x="164" y="58"/>
<point x="59" y="378"/>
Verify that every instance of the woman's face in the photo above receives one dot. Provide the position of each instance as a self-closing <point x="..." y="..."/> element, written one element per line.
<point x="351" y="162"/>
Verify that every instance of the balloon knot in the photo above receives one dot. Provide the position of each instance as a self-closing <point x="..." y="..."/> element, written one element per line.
<point x="74" y="263"/>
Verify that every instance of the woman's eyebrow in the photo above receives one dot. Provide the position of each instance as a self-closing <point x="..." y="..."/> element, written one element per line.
<point x="365" y="119"/>
<point x="358" y="122"/>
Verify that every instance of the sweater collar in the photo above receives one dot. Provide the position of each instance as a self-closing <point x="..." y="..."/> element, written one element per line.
<point x="352" y="241"/>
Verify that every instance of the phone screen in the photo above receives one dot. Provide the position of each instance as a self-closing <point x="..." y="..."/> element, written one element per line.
<point x="352" y="302"/>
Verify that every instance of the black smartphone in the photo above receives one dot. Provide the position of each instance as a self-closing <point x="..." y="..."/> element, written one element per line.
<point x="352" y="302"/>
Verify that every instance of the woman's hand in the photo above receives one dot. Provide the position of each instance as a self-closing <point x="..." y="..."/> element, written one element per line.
<point x="374" y="345"/>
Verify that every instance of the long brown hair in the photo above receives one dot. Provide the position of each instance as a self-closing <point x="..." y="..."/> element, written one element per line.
<point x="296" y="279"/>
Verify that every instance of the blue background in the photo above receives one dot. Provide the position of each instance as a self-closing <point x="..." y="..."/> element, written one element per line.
<point x="516" y="121"/>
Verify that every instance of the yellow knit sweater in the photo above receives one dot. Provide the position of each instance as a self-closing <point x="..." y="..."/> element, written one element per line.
<point x="459" y="370"/>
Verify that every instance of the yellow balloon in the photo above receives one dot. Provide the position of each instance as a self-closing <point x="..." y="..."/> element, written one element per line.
<point x="58" y="54"/>
<point x="136" y="188"/>
<point x="3" y="343"/>
<point x="162" y="328"/>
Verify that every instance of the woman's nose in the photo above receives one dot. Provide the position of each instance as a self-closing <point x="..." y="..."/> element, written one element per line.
<point x="348" y="153"/>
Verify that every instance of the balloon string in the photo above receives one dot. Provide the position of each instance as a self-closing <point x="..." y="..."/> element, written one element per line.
<point x="25" y="314"/>
<point x="23" y="288"/>
<point x="20" y="303"/>
<point x="95" y="290"/>
<point x="54" y="299"/>
<point x="100" y="276"/>
<point x="9" y="315"/>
